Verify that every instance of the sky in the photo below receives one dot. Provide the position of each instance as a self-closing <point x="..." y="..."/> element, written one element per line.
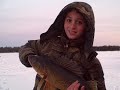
<point x="23" y="20"/>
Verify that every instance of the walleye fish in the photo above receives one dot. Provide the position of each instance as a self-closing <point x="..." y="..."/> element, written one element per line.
<point x="53" y="73"/>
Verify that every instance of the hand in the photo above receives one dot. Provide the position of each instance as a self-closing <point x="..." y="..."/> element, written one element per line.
<point x="75" y="86"/>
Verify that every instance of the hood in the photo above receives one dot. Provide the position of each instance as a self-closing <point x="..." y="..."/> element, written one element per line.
<point x="58" y="26"/>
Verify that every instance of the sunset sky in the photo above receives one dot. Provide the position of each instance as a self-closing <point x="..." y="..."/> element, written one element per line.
<point x="23" y="20"/>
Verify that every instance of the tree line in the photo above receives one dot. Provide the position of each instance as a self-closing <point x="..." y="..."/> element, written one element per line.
<point x="9" y="49"/>
<point x="97" y="48"/>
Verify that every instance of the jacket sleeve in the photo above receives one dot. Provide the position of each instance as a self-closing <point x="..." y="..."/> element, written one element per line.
<point x="30" y="48"/>
<point x="97" y="74"/>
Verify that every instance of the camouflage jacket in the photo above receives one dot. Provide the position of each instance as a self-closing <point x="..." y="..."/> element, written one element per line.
<point x="58" y="50"/>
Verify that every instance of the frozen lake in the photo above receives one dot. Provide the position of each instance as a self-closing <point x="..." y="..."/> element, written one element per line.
<point x="14" y="76"/>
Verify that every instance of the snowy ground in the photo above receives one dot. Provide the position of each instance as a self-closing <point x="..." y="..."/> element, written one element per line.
<point x="14" y="76"/>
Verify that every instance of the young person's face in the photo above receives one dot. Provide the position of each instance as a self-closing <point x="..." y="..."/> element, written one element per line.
<point x="74" y="25"/>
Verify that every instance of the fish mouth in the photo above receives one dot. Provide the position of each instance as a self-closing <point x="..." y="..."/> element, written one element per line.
<point x="38" y="65"/>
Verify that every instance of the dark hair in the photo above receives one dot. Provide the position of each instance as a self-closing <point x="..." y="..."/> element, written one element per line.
<point x="74" y="9"/>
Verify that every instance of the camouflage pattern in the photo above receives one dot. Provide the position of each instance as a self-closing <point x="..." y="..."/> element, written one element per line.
<point x="74" y="56"/>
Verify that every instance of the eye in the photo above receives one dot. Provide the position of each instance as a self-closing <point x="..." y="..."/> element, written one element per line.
<point x="79" y="22"/>
<point x="68" y="20"/>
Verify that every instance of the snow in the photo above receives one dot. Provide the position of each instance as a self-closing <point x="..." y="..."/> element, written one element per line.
<point x="15" y="76"/>
<point x="110" y="61"/>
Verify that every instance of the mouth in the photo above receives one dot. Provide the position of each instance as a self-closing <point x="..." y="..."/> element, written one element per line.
<point x="72" y="32"/>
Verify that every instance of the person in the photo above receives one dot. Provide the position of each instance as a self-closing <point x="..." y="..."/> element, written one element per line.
<point x="68" y="43"/>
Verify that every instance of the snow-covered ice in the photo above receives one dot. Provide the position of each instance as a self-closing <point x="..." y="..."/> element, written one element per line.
<point x="15" y="76"/>
<point x="110" y="61"/>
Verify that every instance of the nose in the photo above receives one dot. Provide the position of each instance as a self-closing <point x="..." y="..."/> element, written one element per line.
<point x="73" y="26"/>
